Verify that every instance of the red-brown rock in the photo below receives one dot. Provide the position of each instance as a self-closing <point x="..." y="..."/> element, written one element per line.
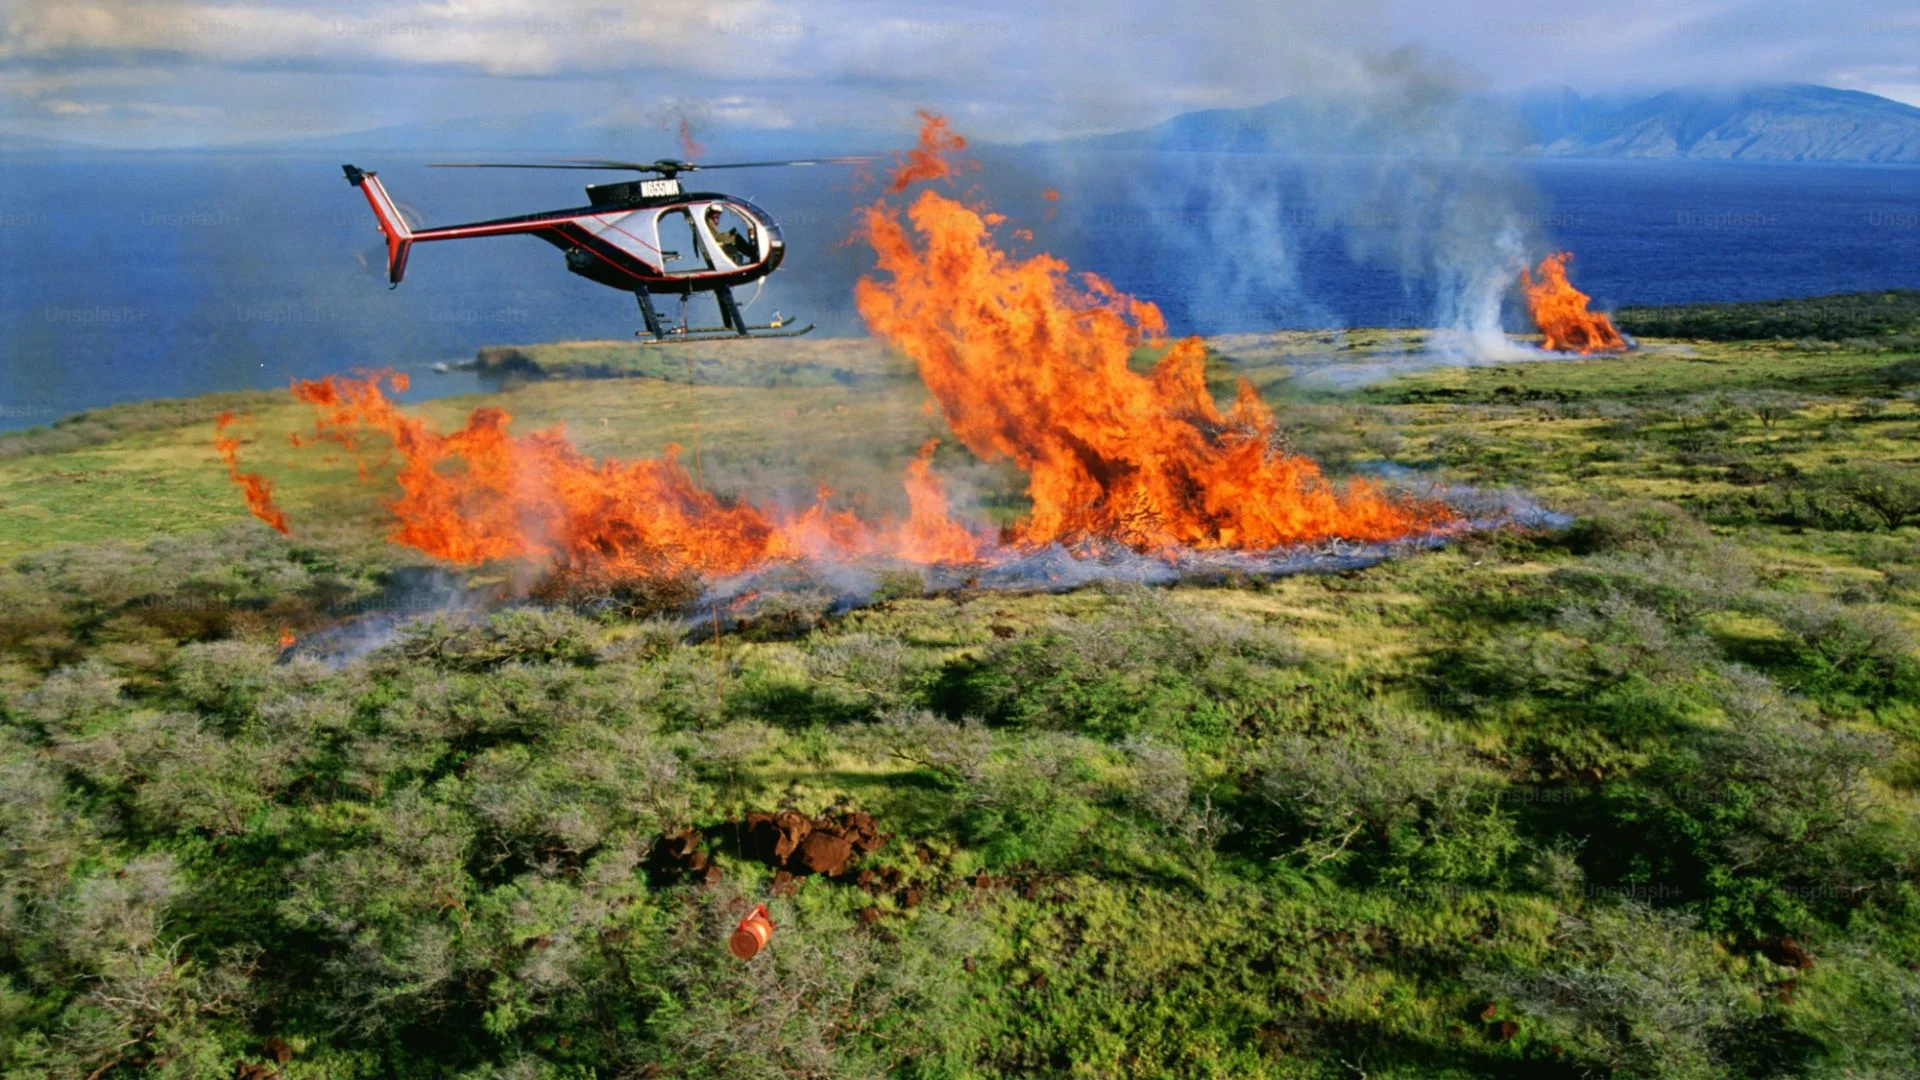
<point x="824" y="853"/>
<point x="679" y="855"/>
<point x="1787" y="952"/>
<point x="794" y="829"/>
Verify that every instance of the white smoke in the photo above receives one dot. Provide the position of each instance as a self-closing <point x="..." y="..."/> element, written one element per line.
<point x="417" y="594"/>
<point x="1404" y="161"/>
<point x="844" y="585"/>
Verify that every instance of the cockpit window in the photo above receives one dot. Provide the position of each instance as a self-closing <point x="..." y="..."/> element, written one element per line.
<point x="681" y="249"/>
<point x="734" y="232"/>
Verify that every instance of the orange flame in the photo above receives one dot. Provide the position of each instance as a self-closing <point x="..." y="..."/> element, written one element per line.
<point x="257" y="489"/>
<point x="929" y="159"/>
<point x="481" y="493"/>
<point x="1560" y="311"/>
<point x="287" y="639"/>
<point x="930" y="534"/>
<point x="1026" y="365"/>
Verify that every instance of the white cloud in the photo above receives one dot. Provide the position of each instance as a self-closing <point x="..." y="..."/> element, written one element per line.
<point x="66" y="107"/>
<point x="498" y="38"/>
<point x="162" y="111"/>
<point x="1018" y="69"/>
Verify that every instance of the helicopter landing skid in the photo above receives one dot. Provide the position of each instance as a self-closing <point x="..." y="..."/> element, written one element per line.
<point x="721" y="333"/>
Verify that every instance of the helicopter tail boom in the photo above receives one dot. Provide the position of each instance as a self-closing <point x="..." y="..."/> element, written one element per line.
<point x="392" y="225"/>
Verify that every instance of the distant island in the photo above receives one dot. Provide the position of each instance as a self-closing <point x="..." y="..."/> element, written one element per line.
<point x="1771" y="123"/>
<point x="1775" y="123"/>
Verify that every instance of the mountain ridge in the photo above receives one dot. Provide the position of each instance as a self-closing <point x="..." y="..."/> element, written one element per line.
<point x="1786" y="123"/>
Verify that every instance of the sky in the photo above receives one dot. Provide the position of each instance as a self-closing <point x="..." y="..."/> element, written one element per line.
<point x="158" y="73"/>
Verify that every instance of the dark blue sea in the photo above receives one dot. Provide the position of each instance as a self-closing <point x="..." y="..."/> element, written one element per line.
<point x="124" y="277"/>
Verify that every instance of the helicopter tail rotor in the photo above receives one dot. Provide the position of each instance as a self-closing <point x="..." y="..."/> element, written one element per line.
<point x="387" y="215"/>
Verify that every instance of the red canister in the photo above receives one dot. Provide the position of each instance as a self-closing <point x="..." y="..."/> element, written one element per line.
<point x="752" y="934"/>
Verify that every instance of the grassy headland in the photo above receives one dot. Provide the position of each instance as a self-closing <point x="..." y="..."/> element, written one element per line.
<point x="1633" y="798"/>
<point x="1871" y="320"/>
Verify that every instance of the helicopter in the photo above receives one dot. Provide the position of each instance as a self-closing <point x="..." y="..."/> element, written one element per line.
<point x="645" y="236"/>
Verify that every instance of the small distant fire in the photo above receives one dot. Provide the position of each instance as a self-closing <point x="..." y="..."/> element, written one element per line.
<point x="931" y="158"/>
<point x="1027" y="363"/>
<point x="690" y="147"/>
<point x="1560" y="311"/>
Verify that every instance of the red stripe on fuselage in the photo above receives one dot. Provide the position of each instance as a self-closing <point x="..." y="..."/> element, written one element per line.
<point x="504" y="228"/>
<point x="588" y="248"/>
<point x="663" y="278"/>
<point x="584" y="241"/>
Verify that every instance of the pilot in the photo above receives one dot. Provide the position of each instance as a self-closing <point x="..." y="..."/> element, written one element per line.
<point x="737" y="247"/>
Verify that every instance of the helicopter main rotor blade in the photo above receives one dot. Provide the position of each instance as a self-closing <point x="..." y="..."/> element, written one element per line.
<point x="802" y="161"/>
<point x="665" y="166"/>
<point x="689" y="166"/>
<point x="638" y="166"/>
<point x="525" y="165"/>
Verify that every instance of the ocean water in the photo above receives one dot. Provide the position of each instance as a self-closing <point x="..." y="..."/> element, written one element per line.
<point x="125" y="277"/>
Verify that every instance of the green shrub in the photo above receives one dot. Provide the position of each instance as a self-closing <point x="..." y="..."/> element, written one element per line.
<point x="1397" y="806"/>
<point x="1862" y="1002"/>
<point x="44" y="836"/>
<point x="877" y="672"/>
<point x="1039" y="802"/>
<point x="1760" y="826"/>
<point x="957" y="752"/>
<point x="1887" y="493"/>
<point x="1767" y="406"/>
<point x="517" y="634"/>
<point x="223" y="679"/>
<point x="826" y="1000"/>
<point x="1681" y="585"/>
<point x="1846" y="652"/>
<point x="1159" y="781"/>
<point x="1637" y="526"/>
<point x="1143" y="666"/>
<point x="71" y="699"/>
<point x="1643" y="995"/>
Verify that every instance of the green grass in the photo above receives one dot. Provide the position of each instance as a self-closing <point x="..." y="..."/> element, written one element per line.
<point x="1660" y="370"/>
<point x="1568" y="804"/>
<point x="782" y="362"/>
